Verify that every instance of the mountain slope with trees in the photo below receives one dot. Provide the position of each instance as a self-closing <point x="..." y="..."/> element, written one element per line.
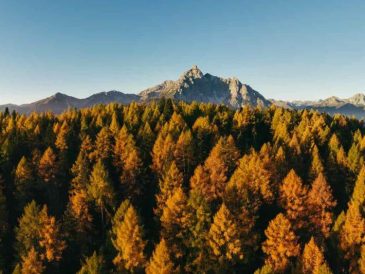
<point x="175" y="187"/>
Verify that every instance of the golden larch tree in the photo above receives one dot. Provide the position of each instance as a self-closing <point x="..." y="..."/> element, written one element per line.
<point x="224" y="238"/>
<point x="312" y="258"/>
<point x="32" y="263"/>
<point x="169" y="182"/>
<point x="160" y="262"/>
<point x="175" y="222"/>
<point x="129" y="243"/>
<point x="320" y="205"/>
<point x="293" y="198"/>
<point x="281" y="243"/>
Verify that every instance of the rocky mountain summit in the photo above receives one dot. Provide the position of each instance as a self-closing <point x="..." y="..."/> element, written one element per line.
<point x="193" y="85"/>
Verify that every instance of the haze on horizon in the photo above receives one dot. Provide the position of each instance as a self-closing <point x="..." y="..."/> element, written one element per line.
<point x="284" y="49"/>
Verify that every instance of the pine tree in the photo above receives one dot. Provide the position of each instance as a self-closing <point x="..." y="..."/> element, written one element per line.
<point x="160" y="262"/>
<point x="224" y="239"/>
<point x="293" y="197"/>
<point x="169" y="182"/>
<point x="31" y="263"/>
<point x="281" y="243"/>
<point x="129" y="242"/>
<point x="320" y="205"/>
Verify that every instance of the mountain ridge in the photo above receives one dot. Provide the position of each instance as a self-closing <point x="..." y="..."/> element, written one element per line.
<point x="194" y="85"/>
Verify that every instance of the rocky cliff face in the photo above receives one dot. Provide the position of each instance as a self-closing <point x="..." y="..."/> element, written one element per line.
<point x="193" y="85"/>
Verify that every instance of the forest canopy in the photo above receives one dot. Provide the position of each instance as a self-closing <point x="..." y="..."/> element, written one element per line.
<point x="174" y="187"/>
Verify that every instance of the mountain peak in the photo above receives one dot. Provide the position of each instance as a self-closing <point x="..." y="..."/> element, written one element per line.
<point x="357" y="99"/>
<point x="194" y="73"/>
<point x="59" y="95"/>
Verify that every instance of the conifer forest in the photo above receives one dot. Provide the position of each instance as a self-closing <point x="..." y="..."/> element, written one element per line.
<point x="173" y="187"/>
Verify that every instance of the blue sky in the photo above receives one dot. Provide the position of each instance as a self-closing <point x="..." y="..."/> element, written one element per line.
<point x="284" y="49"/>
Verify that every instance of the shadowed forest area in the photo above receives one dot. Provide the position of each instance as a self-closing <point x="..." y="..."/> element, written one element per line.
<point x="172" y="187"/>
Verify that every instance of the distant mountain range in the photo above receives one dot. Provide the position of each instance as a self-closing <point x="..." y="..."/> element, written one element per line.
<point x="193" y="85"/>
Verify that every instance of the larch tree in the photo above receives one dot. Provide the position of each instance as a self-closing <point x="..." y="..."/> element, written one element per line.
<point x="281" y="243"/>
<point x="252" y="174"/>
<point x="361" y="261"/>
<point x="184" y="153"/>
<point x="128" y="162"/>
<point x="224" y="239"/>
<point x="169" y="182"/>
<point x="24" y="182"/>
<point x="175" y="223"/>
<point x="100" y="188"/>
<point x="320" y="205"/>
<point x="93" y="265"/>
<point x="78" y="209"/>
<point x="217" y="167"/>
<point x="103" y="145"/>
<point x="49" y="171"/>
<point x="48" y="168"/>
<point x="201" y="215"/>
<point x="4" y="225"/>
<point x="162" y="153"/>
<point x="358" y="194"/>
<point x="316" y="167"/>
<point x="161" y="262"/>
<point x="312" y="258"/>
<point x="129" y="243"/>
<point x="27" y="231"/>
<point x="293" y="198"/>
<point x="352" y="234"/>
<point x="32" y="263"/>
<point x="119" y="215"/>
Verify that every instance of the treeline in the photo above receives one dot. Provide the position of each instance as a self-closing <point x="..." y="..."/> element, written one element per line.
<point x="171" y="187"/>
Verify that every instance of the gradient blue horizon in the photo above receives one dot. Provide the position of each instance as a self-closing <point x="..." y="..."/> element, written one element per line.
<point x="284" y="49"/>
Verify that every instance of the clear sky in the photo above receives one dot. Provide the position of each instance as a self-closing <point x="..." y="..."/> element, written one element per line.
<point x="285" y="49"/>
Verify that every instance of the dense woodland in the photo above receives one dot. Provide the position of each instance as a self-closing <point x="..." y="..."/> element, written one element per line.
<point x="171" y="187"/>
